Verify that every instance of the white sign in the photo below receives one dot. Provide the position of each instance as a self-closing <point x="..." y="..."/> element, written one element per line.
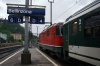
<point x="79" y="21"/>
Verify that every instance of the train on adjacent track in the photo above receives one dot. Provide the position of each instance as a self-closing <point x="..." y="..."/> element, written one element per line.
<point x="78" y="38"/>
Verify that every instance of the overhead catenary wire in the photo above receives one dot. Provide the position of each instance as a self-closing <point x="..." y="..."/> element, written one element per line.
<point x="56" y="3"/>
<point x="67" y="9"/>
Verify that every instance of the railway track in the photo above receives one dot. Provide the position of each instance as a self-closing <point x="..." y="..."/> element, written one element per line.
<point x="7" y="51"/>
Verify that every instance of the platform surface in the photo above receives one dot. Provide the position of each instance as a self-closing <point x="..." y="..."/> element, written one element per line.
<point x="36" y="58"/>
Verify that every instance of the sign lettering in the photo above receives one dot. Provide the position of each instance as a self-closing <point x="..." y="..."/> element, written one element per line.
<point x="23" y="10"/>
<point x="11" y="19"/>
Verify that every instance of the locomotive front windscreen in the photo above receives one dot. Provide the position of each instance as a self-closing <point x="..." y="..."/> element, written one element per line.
<point x="59" y="30"/>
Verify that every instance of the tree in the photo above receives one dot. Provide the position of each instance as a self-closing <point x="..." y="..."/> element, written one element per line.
<point x="11" y="38"/>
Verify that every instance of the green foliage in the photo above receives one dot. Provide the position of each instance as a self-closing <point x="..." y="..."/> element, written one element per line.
<point x="34" y="39"/>
<point x="11" y="38"/>
<point x="7" y="28"/>
<point x="31" y="37"/>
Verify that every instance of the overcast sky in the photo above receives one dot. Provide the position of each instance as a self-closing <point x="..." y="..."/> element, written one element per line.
<point x="60" y="9"/>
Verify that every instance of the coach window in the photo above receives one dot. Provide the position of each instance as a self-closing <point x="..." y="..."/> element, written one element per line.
<point x="74" y="28"/>
<point x="88" y="32"/>
<point x="97" y="32"/>
<point x="92" y="26"/>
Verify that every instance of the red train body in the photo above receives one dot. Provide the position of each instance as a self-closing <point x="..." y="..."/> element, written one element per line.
<point x="51" y="38"/>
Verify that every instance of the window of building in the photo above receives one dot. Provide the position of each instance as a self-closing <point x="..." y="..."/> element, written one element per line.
<point x="74" y="27"/>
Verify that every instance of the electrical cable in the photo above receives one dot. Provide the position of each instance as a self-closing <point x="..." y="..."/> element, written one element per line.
<point x="67" y="10"/>
<point x="56" y="3"/>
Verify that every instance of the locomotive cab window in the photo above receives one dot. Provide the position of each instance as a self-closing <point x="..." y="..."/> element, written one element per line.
<point x="74" y="28"/>
<point x="58" y="30"/>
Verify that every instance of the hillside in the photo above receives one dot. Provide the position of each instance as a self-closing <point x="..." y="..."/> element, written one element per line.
<point x="7" y="28"/>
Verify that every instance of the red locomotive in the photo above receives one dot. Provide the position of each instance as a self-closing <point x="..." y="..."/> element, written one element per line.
<point x="51" y="39"/>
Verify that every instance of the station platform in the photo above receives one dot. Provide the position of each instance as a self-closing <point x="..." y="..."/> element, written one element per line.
<point x="37" y="59"/>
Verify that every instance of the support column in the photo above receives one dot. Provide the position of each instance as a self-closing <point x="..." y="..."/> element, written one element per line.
<point x="51" y="13"/>
<point x="26" y="55"/>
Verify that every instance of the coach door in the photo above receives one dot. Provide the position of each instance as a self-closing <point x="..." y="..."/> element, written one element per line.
<point x="66" y="36"/>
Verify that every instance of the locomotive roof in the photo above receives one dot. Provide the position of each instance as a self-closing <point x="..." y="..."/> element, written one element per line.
<point x="55" y="24"/>
<point x="84" y="10"/>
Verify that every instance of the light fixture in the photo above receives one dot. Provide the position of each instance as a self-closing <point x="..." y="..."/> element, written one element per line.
<point x="52" y="1"/>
